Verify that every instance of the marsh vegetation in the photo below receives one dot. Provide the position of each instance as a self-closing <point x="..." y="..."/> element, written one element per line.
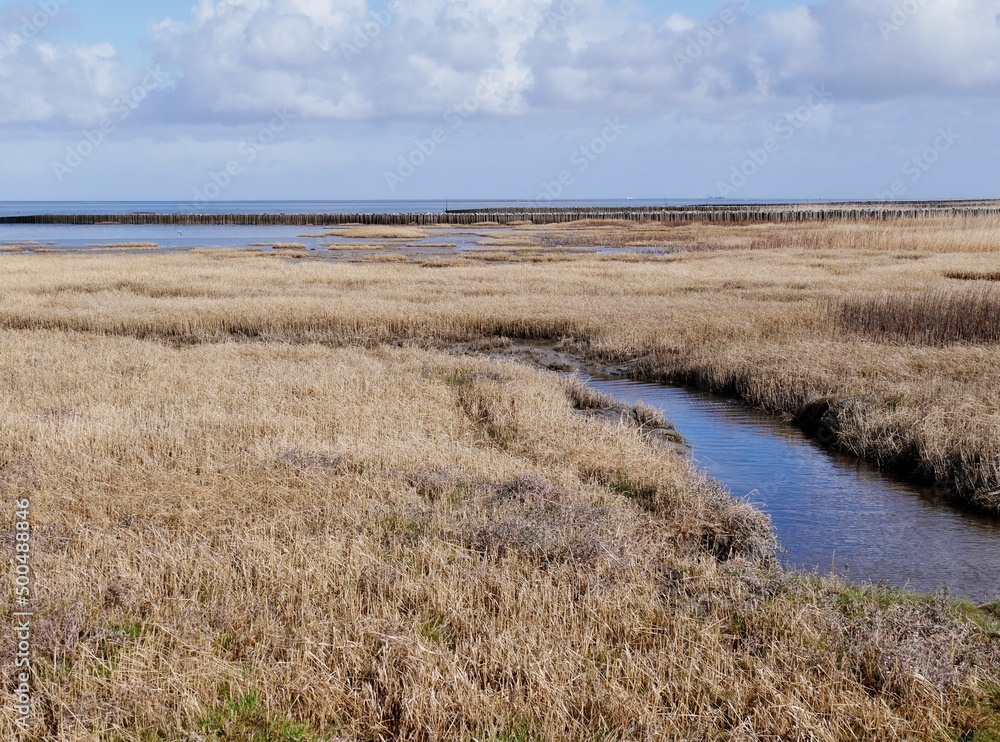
<point x="269" y="500"/>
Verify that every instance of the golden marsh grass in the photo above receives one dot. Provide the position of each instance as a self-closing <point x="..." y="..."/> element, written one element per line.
<point x="753" y="322"/>
<point x="935" y="235"/>
<point x="261" y="511"/>
<point x="375" y="232"/>
<point x="941" y="317"/>
<point x="299" y="542"/>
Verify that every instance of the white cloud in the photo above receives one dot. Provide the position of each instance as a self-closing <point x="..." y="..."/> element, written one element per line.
<point x="344" y="60"/>
<point x="45" y="84"/>
<point x="679" y="23"/>
<point x="795" y="28"/>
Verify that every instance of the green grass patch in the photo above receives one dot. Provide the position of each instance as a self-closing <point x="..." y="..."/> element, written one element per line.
<point x="242" y="718"/>
<point x="982" y="716"/>
<point x="644" y="494"/>
<point x="511" y="732"/>
<point x="434" y="629"/>
<point x="986" y="617"/>
<point x="854" y="598"/>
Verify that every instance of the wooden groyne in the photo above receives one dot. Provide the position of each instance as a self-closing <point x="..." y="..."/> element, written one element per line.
<point x="780" y="214"/>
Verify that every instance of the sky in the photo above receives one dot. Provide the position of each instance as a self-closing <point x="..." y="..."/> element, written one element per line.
<point x="223" y="100"/>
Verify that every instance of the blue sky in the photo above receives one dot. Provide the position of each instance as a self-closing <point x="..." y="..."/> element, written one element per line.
<point x="343" y="99"/>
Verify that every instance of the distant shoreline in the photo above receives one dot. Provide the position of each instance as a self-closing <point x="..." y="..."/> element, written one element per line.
<point x="34" y="208"/>
<point x="720" y="213"/>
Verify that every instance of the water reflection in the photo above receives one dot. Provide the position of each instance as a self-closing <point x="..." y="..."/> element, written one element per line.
<point x="197" y="236"/>
<point x="831" y="512"/>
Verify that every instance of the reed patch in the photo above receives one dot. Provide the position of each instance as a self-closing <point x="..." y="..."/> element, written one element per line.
<point x="941" y="317"/>
<point x="974" y="275"/>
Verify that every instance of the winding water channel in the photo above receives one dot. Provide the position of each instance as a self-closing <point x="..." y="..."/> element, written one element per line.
<point x="831" y="513"/>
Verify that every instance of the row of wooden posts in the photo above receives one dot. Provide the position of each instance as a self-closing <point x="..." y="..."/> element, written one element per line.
<point x="713" y="214"/>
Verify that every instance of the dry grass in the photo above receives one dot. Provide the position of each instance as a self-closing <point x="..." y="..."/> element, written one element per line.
<point x="254" y="518"/>
<point x="393" y="257"/>
<point x="937" y="235"/>
<point x="528" y="254"/>
<point x="336" y="246"/>
<point x="126" y="246"/>
<point x="26" y="246"/>
<point x="752" y="323"/>
<point x="280" y="245"/>
<point x="510" y="240"/>
<point x="228" y="253"/>
<point x="284" y="542"/>
<point x="382" y="233"/>
<point x="440" y="261"/>
<point x="939" y="317"/>
<point x="974" y="276"/>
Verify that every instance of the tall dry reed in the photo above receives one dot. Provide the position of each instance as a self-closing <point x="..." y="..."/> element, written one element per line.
<point x="940" y="317"/>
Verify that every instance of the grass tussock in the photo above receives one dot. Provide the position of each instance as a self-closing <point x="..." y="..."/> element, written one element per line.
<point x="235" y="253"/>
<point x="510" y="240"/>
<point x="280" y="245"/>
<point x="125" y="246"/>
<point x="382" y="233"/>
<point x="941" y="317"/>
<point x="25" y="246"/>
<point x="297" y="542"/>
<point x="337" y="246"/>
<point x="394" y="257"/>
<point x="523" y="255"/>
<point x="438" y="261"/>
